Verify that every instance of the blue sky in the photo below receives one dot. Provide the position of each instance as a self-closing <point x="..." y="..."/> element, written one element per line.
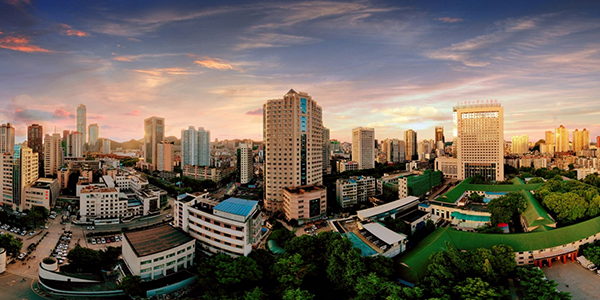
<point x="391" y="65"/>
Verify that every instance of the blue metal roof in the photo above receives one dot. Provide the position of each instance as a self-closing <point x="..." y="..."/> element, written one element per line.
<point x="236" y="206"/>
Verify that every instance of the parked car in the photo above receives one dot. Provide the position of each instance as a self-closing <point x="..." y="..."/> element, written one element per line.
<point x="93" y="241"/>
<point x="22" y="255"/>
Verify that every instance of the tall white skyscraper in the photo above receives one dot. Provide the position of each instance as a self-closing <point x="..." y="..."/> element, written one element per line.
<point x="480" y="140"/>
<point x="154" y="132"/>
<point x="74" y="144"/>
<point x="94" y="133"/>
<point x="7" y="138"/>
<point x="81" y="121"/>
<point x="363" y="147"/>
<point x="195" y="147"/>
<point x="53" y="154"/>
<point x="245" y="162"/>
<point x="293" y="138"/>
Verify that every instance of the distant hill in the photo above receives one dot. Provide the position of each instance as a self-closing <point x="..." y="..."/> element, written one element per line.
<point x="137" y="144"/>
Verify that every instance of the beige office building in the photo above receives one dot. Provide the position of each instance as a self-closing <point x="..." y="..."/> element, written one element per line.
<point x="246" y="162"/>
<point x="562" y="139"/>
<point x="550" y="142"/>
<point x="581" y="140"/>
<point x="164" y="160"/>
<point x="305" y="203"/>
<point x="480" y="140"/>
<point x="7" y="138"/>
<point x="154" y="132"/>
<point x="293" y="141"/>
<point x="520" y="144"/>
<point x="363" y="147"/>
<point x="53" y="154"/>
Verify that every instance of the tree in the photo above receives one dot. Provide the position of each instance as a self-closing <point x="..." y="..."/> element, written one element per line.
<point x="475" y="289"/>
<point x="507" y="208"/>
<point x="537" y="287"/>
<point x="568" y="207"/>
<point x="592" y="253"/>
<point x="290" y="270"/>
<point x="131" y="285"/>
<point x="84" y="258"/>
<point x="536" y="180"/>
<point x="256" y="294"/>
<point x="109" y="257"/>
<point x="476" y="198"/>
<point x="592" y="179"/>
<point x="11" y="244"/>
<point x="297" y="294"/>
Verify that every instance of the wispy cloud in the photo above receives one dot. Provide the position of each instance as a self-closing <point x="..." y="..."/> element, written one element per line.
<point x="143" y="56"/>
<point x="255" y="112"/>
<point x="215" y="63"/>
<point x="134" y="112"/>
<point x="20" y="43"/>
<point x="165" y="71"/>
<point x="271" y="40"/>
<point x="449" y="20"/>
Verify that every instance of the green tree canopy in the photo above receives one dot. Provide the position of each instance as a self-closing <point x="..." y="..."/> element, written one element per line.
<point x="507" y="208"/>
<point x="10" y="243"/>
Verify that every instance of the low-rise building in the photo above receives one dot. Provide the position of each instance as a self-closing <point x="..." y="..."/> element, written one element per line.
<point x="418" y="185"/>
<point x="101" y="203"/>
<point x="43" y="192"/>
<point x="448" y="166"/>
<point x="305" y="203"/>
<point x="343" y="166"/>
<point x="206" y="173"/>
<point x="232" y="226"/>
<point x="354" y="190"/>
<point x="157" y="252"/>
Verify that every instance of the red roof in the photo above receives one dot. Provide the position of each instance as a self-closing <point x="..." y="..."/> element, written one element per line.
<point x="502" y="225"/>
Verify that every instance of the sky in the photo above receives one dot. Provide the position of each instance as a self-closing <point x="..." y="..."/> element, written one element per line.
<point x="391" y="65"/>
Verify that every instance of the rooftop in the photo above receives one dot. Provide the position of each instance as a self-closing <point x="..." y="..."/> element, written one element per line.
<point x="236" y="206"/>
<point x="304" y="189"/>
<point x="374" y="211"/>
<point x="381" y="232"/>
<point x="154" y="240"/>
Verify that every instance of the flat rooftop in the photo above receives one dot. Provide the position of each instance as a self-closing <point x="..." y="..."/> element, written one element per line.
<point x="377" y="210"/>
<point x="236" y="206"/>
<point x="304" y="189"/>
<point x="154" y="240"/>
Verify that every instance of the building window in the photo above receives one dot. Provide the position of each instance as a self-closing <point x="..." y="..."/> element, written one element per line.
<point x="145" y="262"/>
<point x="159" y="258"/>
<point x="159" y="267"/>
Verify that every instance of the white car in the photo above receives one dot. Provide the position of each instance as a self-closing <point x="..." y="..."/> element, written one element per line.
<point x="93" y="241"/>
<point x="22" y="255"/>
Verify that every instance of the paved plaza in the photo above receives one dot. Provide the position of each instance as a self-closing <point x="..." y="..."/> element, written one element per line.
<point x="575" y="279"/>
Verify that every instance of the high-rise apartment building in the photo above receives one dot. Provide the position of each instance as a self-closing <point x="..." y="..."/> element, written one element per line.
<point x="581" y="140"/>
<point x="326" y="151"/>
<point x="480" y="140"/>
<point x="424" y="149"/>
<point x="53" y="154"/>
<point x="394" y="150"/>
<point x="164" y="161"/>
<point x="410" y="145"/>
<point x="81" y="121"/>
<point x="195" y="147"/>
<point x="154" y="132"/>
<point x="293" y="139"/>
<point x="74" y="145"/>
<point x="7" y="138"/>
<point x="520" y="144"/>
<point x="245" y="162"/>
<point x="35" y="141"/>
<point x="94" y="132"/>
<point x="439" y="135"/>
<point x="562" y="139"/>
<point x="363" y="147"/>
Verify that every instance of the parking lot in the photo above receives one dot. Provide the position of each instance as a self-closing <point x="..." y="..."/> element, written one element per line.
<point x="575" y="279"/>
<point x="313" y="228"/>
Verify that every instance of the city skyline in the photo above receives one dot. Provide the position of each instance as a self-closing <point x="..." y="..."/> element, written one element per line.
<point x="385" y="65"/>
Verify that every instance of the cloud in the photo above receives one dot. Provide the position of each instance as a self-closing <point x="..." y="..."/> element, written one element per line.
<point x="449" y="20"/>
<point x="215" y="63"/>
<point x="132" y="113"/>
<point x="20" y="43"/>
<point x="129" y="58"/>
<point x="271" y="40"/>
<point x="134" y="40"/>
<point x="68" y="30"/>
<point x="255" y="112"/>
<point x="166" y="71"/>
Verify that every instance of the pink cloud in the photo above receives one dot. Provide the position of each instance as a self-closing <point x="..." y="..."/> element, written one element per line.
<point x="68" y="30"/>
<point x="20" y="43"/>
<point x="214" y="63"/>
<point x="450" y="20"/>
<point x="132" y="113"/>
<point x="256" y="112"/>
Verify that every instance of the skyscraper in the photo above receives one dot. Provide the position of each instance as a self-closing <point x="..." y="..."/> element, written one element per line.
<point x="439" y="135"/>
<point x="164" y="161"/>
<point x="7" y="138"/>
<point x="35" y="141"/>
<point x="410" y="145"/>
<point x="81" y="121"/>
<point x="391" y="148"/>
<point x="53" y="154"/>
<point x="562" y="139"/>
<point x="106" y="146"/>
<point x="74" y="145"/>
<point x="363" y="147"/>
<point x="195" y="147"/>
<point x="520" y="144"/>
<point x="154" y="132"/>
<point x="586" y="139"/>
<point x="326" y="150"/>
<point x="550" y="142"/>
<point x="480" y="140"/>
<point x="94" y="133"/>
<point x="245" y="162"/>
<point x="293" y="138"/>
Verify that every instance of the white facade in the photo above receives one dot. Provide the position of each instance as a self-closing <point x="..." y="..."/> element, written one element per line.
<point x="43" y="192"/>
<point x="363" y="147"/>
<point x="75" y="144"/>
<point x="106" y="146"/>
<point x="480" y="140"/>
<point x="7" y="138"/>
<point x="53" y="154"/>
<point x="195" y="147"/>
<point x="94" y="132"/>
<point x="81" y="122"/>
<point x="354" y="190"/>
<point x="102" y="203"/>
